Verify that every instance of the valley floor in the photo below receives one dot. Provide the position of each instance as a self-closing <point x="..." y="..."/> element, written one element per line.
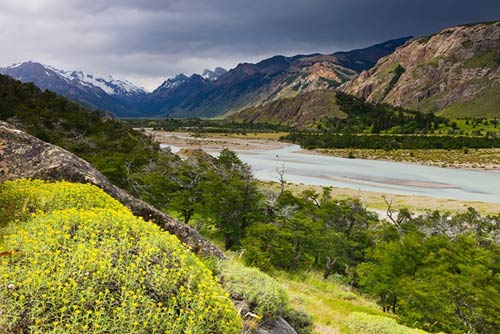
<point x="375" y="201"/>
<point x="472" y="159"/>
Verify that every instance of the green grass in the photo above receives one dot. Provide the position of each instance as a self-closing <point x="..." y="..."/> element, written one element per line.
<point x="328" y="302"/>
<point x="389" y="69"/>
<point x="484" y="59"/>
<point x="487" y="104"/>
<point x="469" y="126"/>
<point x="372" y="324"/>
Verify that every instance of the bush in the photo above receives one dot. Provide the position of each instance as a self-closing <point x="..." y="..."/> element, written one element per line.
<point x="364" y="323"/>
<point x="105" y="271"/>
<point x="299" y="320"/>
<point x="21" y="198"/>
<point x="267" y="297"/>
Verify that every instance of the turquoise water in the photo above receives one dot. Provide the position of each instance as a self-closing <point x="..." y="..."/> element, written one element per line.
<point x="372" y="175"/>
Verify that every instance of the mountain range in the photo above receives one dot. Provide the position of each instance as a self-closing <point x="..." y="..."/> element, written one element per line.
<point x="454" y="73"/>
<point x="213" y="93"/>
<point x="106" y="93"/>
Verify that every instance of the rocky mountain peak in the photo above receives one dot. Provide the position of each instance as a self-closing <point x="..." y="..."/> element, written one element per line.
<point x="213" y="75"/>
<point x="455" y="71"/>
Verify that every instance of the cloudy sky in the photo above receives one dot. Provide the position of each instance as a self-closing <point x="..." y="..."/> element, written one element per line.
<point x="145" y="41"/>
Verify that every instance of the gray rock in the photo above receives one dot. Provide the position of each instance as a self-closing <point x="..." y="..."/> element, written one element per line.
<point x="25" y="156"/>
<point x="275" y="326"/>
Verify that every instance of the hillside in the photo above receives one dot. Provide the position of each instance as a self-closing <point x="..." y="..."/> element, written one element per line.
<point x="455" y="72"/>
<point x="98" y="138"/>
<point x="83" y="263"/>
<point x="300" y="111"/>
<point x="336" y="111"/>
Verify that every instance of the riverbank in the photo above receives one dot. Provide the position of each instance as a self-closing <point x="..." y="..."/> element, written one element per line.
<point x="217" y="141"/>
<point x="417" y="187"/>
<point x="377" y="201"/>
<point x="471" y="159"/>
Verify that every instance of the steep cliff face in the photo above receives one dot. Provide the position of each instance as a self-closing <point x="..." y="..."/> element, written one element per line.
<point x="455" y="72"/>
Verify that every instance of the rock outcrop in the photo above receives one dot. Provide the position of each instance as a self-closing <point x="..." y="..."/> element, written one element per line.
<point x="455" y="72"/>
<point x="276" y="326"/>
<point x="25" y="156"/>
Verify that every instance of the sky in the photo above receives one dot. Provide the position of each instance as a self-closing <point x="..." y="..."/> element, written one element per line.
<point x="146" y="41"/>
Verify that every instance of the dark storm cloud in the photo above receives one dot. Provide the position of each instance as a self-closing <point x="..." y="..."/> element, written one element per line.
<point x="144" y="41"/>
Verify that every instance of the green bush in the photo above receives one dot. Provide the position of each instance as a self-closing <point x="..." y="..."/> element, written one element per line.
<point x="364" y="323"/>
<point x="299" y="320"/>
<point x="103" y="270"/>
<point x="267" y="297"/>
<point x="21" y="198"/>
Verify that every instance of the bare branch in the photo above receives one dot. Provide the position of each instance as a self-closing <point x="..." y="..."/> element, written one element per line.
<point x="281" y="174"/>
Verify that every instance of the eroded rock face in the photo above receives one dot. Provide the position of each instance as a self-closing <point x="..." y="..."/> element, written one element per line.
<point x="459" y="65"/>
<point x="25" y="156"/>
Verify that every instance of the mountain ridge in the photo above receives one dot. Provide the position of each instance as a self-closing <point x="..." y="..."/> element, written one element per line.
<point x="99" y="92"/>
<point x="249" y="85"/>
<point x="213" y="93"/>
<point x="455" y="72"/>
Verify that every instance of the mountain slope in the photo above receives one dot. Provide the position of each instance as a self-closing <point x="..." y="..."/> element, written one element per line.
<point x="300" y="111"/>
<point x="171" y="94"/>
<point x="279" y="76"/>
<point x="334" y="111"/>
<point x="455" y="72"/>
<point x="106" y="93"/>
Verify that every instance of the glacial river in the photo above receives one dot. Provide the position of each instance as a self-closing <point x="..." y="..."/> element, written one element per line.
<point x="371" y="175"/>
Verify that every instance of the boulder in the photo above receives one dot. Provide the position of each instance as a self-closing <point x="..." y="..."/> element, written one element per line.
<point x="275" y="326"/>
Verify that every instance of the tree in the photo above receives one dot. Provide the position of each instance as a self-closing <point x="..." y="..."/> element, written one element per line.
<point x="187" y="198"/>
<point x="231" y="197"/>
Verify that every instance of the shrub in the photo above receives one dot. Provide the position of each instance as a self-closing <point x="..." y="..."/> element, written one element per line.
<point x="21" y="198"/>
<point x="266" y="296"/>
<point x="364" y="323"/>
<point x="104" y="271"/>
<point x="299" y="320"/>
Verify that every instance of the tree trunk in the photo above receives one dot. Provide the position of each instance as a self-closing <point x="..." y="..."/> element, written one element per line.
<point x="228" y="242"/>
<point x="329" y="267"/>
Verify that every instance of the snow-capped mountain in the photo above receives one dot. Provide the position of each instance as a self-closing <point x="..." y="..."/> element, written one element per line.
<point x="213" y="93"/>
<point x="174" y="82"/>
<point x="172" y="93"/>
<point x="100" y="92"/>
<point x="107" y="83"/>
<point x="182" y="78"/>
<point x="213" y="75"/>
